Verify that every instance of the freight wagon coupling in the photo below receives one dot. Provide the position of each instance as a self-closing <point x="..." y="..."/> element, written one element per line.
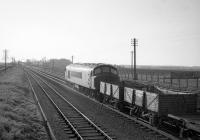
<point x="188" y="125"/>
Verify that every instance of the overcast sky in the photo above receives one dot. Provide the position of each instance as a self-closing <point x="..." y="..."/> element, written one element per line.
<point x="168" y="31"/>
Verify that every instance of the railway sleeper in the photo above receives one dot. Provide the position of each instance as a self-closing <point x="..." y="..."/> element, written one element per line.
<point x="85" y="128"/>
<point x="73" y="138"/>
<point x="68" y="130"/>
<point x="71" y="135"/>
<point x="82" y="126"/>
<point x="67" y="127"/>
<point x="164" y="138"/>
<point x="88" y="131"/>
<point x="63" y="123"/>
<point x="96" y="138"/>
<point x="90" y="134"/>
<point x="76" y="119"/>
<point x="70" y="110"/>
<point x="80" y="123"/>
<point x="71" y="114"/>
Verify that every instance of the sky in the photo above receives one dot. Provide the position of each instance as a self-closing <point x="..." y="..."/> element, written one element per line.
<point x="100" y="31"/>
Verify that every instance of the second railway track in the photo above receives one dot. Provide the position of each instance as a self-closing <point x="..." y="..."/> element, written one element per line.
<point x="75" y="124"/>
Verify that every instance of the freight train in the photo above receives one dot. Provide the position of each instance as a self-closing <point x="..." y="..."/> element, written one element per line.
<point x="175" y="111"/>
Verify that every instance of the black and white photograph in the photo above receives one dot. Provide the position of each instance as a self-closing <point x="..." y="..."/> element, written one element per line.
<point x="99" y="69"/>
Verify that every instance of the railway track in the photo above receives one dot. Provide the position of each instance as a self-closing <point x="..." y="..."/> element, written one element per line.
<point x="76" y="124"/>
<point x="144" y="126"/>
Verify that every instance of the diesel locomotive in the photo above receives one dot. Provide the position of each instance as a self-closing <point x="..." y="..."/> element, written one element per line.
<point x="89" y="75"/>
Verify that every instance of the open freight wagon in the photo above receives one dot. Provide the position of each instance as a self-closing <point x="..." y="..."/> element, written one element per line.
<point x="153" y="105"/>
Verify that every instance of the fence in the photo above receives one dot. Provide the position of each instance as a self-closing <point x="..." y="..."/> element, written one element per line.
<point x="159" y="77"/>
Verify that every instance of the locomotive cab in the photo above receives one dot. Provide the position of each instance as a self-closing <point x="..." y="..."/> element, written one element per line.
<point x="105" y="73"/>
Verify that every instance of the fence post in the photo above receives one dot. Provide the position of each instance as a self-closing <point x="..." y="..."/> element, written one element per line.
<point x="123" y="73"/>
<point x="138" y="77"/>
<point x="164" y="82"/>
<point x="128" y="74"/>
<point x="158" y="78"/>
<point x="146" y="76"/>
<point x="142" y="76"/>
<point x="171" y="80"/>
<point x="187" y="83"/>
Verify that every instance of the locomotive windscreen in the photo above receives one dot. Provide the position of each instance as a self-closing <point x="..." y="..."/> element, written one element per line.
<point x="114" y="71"/>
<point x="105" y="69"/>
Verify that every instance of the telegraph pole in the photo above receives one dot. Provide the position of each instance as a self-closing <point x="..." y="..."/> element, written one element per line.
<point x="53" y="64"/>
<point x="5" y="58"/>
<point x="72" y="59"/>
<point x="134" y="44"/>
<point x="132" y="63"/>
<point x="13" y="60"/>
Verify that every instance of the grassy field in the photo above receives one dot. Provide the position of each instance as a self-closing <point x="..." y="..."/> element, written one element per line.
<point x="19" y="116"/>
